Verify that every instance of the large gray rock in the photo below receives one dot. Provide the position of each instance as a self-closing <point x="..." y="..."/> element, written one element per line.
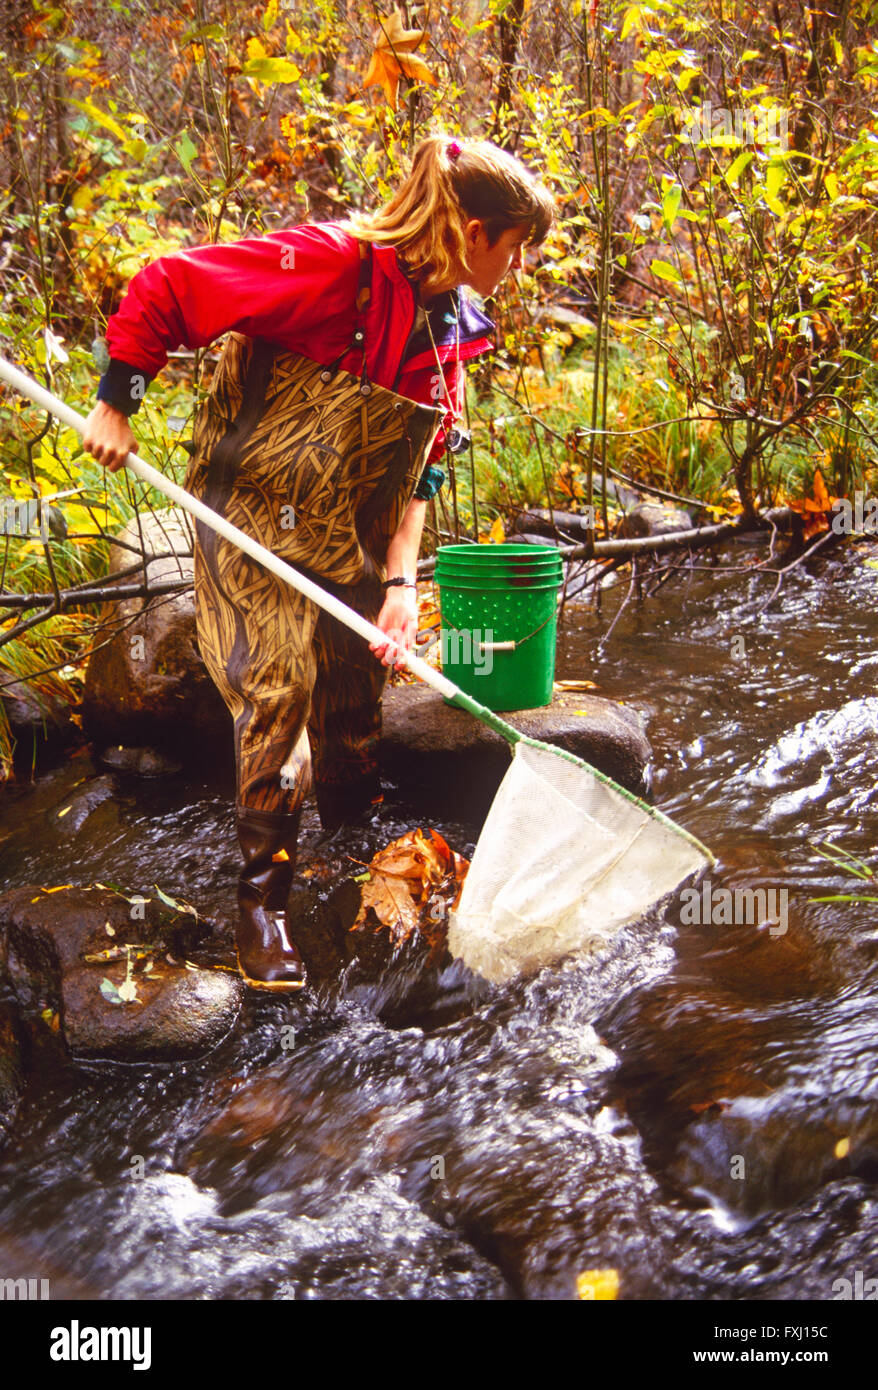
<point x="453" y="764"/>
<point x="148" y="685"/>
<point x="179" y="1013"/>
<point x="654" y="519"/>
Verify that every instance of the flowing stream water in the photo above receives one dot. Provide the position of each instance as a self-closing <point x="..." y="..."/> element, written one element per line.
<point x="694" y="1108"/>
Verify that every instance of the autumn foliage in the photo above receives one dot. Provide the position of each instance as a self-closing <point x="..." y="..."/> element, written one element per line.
<point x="703" y="318"/>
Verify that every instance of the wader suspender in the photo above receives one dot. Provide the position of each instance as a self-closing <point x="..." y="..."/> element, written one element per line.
<point x="358" y="340"/>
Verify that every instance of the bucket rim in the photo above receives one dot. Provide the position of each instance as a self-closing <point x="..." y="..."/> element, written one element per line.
<point x="504" y="549"/>
<point x="474" y="583"/>
<point x="511" y="562"/>
<point x="499" y="567"/>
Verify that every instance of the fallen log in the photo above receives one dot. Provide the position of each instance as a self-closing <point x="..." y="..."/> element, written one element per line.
<point x="778" y="518"/>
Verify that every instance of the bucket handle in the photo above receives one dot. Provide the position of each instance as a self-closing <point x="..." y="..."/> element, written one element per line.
<point x="519" y="642"/>
<point x="494" y="646"/>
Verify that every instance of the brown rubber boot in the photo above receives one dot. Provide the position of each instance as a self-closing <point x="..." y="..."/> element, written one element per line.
<point x="267" y="958"/>
<point x="346" y="803"/>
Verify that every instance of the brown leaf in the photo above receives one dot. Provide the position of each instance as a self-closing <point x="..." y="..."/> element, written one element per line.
<point x="403" y="876"/>
<point x="393" y="904"/>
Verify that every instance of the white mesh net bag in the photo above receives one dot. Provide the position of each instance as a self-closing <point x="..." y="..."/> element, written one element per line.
<point x="564" y="860"/>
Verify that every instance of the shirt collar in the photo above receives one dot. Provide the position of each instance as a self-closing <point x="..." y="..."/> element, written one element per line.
<point x="450" y="309"/>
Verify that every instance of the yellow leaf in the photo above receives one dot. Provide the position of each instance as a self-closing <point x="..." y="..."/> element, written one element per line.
<point x="598" y="1284"/>
<point x="842" y="1148"/>
<point x="497" y="532"/>
<point x="686" y="78"/>
<point x="64" y="812"/>
<point x="101" y="117"/>
<point x="631" y="21"/>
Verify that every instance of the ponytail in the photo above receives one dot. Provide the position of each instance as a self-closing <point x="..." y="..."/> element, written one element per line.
<point x="450" y="183"/>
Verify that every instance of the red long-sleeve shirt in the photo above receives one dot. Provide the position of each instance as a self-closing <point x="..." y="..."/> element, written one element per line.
<point x="296" y="289"/>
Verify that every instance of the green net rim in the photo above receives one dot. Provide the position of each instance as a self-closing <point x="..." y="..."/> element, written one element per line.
<point x="514" y="736"/>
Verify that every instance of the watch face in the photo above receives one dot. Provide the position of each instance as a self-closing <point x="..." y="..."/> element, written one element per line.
<point x="457" y="440"/>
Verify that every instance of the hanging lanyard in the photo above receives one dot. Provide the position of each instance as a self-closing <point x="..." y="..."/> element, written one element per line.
<point x="456" y="439"/>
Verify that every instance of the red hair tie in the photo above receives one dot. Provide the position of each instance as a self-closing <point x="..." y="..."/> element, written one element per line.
<point x="453" y="150"/>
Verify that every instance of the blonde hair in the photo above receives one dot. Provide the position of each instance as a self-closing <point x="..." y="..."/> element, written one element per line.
<point x="452" y="181"/>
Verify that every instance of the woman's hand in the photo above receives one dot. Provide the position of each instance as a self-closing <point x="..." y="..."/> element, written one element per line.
<point x="399" y="619"/>
<point x="108" y="436"/>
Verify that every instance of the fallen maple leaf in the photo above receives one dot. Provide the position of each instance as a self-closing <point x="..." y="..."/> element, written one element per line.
<point x="392" y="58"/>
<point x="393" y="904"/>
<point x="403" y="876"/>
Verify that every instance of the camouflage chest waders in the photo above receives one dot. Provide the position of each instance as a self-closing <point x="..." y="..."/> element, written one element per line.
<point x="319" y="466"/>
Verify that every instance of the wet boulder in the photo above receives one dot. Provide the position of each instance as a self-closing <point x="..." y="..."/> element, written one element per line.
<point x="40" y="722"/>
<point x="116" y="970"/>
<point x="11" y="1068"/>
<point x="450" y="763"/>
<point x="148" y="685"/>
<point x="758" y="1154"/>
<point x="654" y="519"/>
<point x="143" y="762"/>
<point x="180" y="1012"/>
<point x="90" y="802"/>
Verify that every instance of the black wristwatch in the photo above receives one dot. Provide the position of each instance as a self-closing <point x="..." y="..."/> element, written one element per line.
<point x="398" y="583"/>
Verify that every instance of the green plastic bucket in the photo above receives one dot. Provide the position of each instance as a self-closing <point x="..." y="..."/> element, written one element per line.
<point x="509" y="596"/>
